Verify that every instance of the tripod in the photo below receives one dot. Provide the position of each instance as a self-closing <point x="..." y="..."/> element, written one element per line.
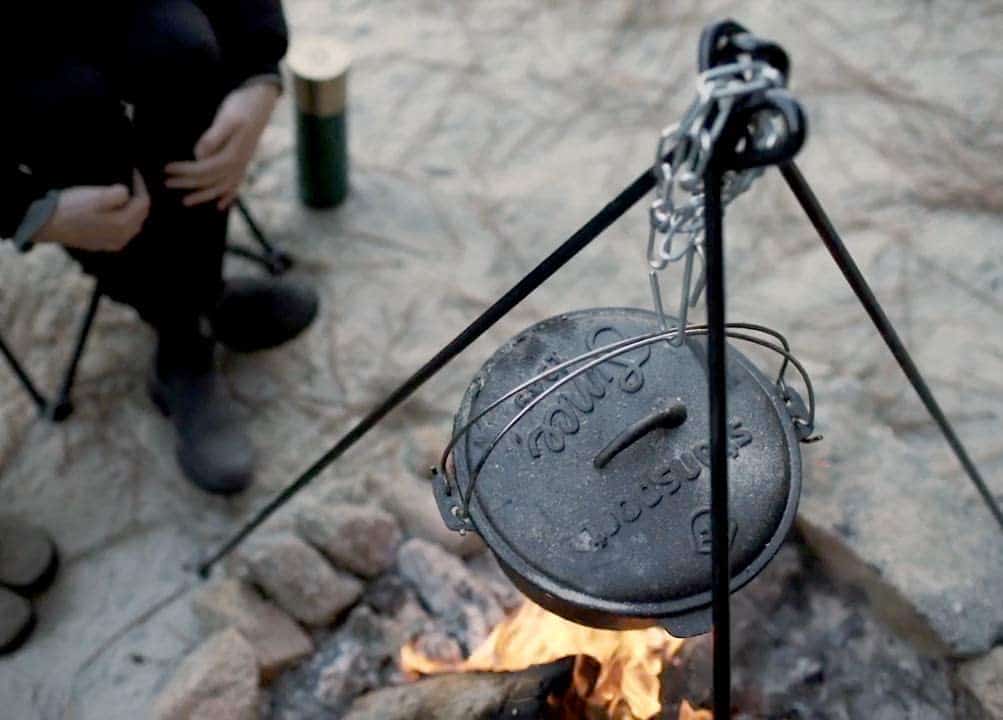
<point x="735" y="147"/>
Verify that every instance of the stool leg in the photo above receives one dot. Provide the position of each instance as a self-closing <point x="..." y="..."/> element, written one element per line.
<point x="40" y="402"/>
<point x="273" y="259"/>
<point x="60" y="408"/>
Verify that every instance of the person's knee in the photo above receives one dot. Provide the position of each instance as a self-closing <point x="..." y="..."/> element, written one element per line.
<point x="174" y="46"/>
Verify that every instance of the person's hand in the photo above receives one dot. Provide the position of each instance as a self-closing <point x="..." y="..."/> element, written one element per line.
<point x="224" y="151"/>
<point x="97" y="218"/>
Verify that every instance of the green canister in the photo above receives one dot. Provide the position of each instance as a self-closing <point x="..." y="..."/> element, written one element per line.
<point x="319" y="68"/>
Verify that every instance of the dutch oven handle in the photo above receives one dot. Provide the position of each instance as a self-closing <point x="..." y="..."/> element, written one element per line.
<point x="671" y="418"/>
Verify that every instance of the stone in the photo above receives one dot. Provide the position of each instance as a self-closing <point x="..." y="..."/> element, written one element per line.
<point x="922" y="546"/>
<point x="277" y="640"/>
<point x="412" y="501"/>
<point x="487" y="568"/>
<point x="805" y="647"/>
<point x="219" y="681"/>
<point x="982" y="681"/>
<point x="439" y="647"/>
<point x="343" y="678"/>
<point x="388" y="594"/>
<point x="300" y="580"/>
<point x="450" y="591"/>
<point x="361" y="654"/>
<point x="362" y="539"/>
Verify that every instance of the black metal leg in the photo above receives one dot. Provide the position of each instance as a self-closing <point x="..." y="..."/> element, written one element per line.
<point x="271" y="258"/>
<point x="717" y="388"/>
<point x="60" y="408"/>
<point x="840" y="253"/>
<point x="40" y="402"/>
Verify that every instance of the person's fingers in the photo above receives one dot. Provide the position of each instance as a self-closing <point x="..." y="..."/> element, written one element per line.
<point x="194" y="182"/>
<point x="111" y="197"/>
<point x="215" y="137"/>
<point x="202" y="196"/>
<point x="201" y="174"/>
<point x="227" y="199"/>
<point x="139" y="185"/>
<point x="124" y="224"/>
<point x="137" y="210"/>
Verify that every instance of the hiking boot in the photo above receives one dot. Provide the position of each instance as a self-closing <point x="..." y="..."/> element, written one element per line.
<point x="17" y="620"/>
<point x="213" y="449"/>
<point x="257" y="313"/>
<point x="28" y="557"/>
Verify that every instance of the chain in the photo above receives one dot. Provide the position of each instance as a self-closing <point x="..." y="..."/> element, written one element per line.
<point x="677" y="211"/>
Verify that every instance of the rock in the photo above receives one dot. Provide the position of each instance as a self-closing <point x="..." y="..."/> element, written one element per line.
<point x="922" y="546"/>
<point x="450" y="591"/>
<point x="219" y="681"/>
<point x="358" y="656"/>
<point x="982" y="681"/>
<point x="412" y="501"/>
<point x="388" y="594"/>
<point x="300" y="580"/>
<point x="805" y="647"/>
<point x="486" y="566"/>
<point x="277" y="640"/>
<point x="360" y="538"/>
<point x="436" y="645"/>
<point x="344" y="678"/>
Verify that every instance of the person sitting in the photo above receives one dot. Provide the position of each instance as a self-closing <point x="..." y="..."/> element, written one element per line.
<point x="129" y="133"/>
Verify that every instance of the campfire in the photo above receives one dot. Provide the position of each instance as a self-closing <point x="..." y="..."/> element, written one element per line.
<point x="616" y="673"/>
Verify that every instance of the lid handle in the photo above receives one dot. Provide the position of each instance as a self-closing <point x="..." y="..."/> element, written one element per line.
<point x="671" y="418"/>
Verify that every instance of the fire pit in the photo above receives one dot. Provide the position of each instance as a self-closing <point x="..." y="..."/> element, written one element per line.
<point x="412" y="648"/>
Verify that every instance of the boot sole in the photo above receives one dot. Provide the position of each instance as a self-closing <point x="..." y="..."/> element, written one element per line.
<point x="234" y="344"/>
<point x="43" y="582"/>
<point x="18" y="641"/>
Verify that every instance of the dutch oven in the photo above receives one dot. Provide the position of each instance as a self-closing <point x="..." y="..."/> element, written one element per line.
<point x="596" y="501"/>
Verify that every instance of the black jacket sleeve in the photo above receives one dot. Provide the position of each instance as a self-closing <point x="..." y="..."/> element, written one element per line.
<point x="252" y="35"/>
<point x="20" y="190"/>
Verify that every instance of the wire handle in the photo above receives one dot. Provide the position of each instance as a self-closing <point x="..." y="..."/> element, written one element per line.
<point x="458" y="500"/>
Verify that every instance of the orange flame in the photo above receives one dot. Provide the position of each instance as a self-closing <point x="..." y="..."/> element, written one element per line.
<point x="686" y="712"/>
<point x="631" y="661"/>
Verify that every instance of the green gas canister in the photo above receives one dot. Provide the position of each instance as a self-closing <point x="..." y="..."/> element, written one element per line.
<point x="319" y="68"/>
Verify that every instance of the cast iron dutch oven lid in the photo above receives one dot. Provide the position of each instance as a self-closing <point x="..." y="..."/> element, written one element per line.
<point x="597" y="502"/>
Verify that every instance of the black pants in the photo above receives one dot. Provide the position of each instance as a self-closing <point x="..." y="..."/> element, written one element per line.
<point x="163" y="60"/>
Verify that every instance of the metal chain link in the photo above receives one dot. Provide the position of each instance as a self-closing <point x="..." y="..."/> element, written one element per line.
<point x="691" y="142"/>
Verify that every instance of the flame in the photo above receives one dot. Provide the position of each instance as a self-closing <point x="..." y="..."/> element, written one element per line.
<point x="686" y="712"/>
<point x="630" y="662"/>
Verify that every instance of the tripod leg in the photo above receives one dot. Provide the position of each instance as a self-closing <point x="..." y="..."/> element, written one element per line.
<point x="40" y="402"/>
<point x="840" y="253"/>
<point x="718" y="389"/>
